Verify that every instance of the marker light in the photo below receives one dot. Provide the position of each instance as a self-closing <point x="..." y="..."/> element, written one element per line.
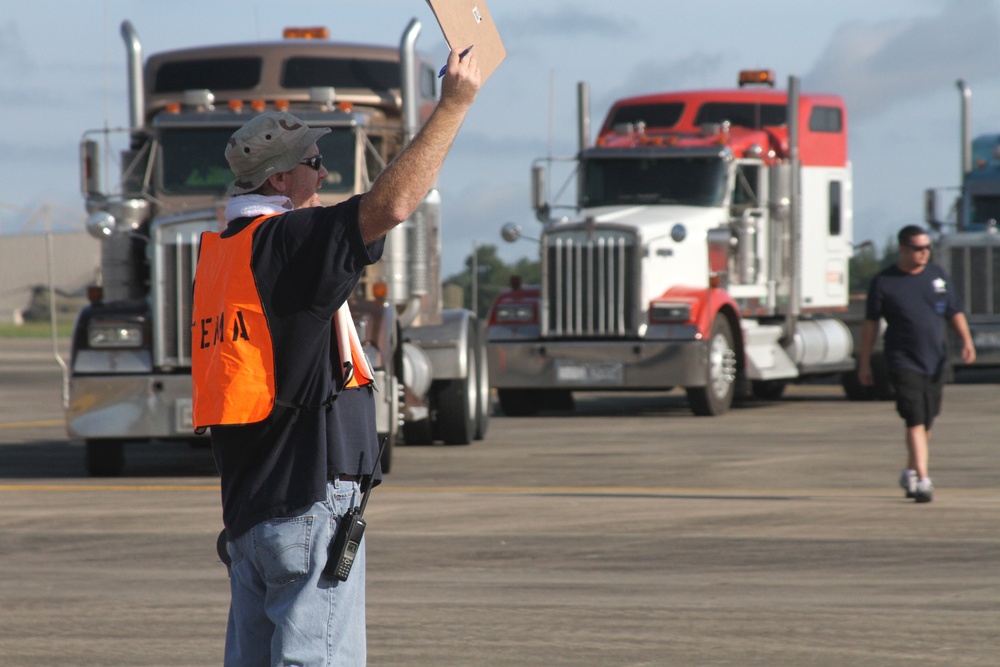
<point x="315" y="32"/>
<point x="757" y="77"/>
<point x="201" y="97"/>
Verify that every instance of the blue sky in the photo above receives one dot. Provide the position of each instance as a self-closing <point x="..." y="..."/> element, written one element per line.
<point x="62" y="71"/>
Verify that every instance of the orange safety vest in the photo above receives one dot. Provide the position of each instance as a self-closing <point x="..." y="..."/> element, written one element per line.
<point x="232" y="354"/>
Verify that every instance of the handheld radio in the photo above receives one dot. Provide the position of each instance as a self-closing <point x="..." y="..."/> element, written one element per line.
<point x="350" y="530"/>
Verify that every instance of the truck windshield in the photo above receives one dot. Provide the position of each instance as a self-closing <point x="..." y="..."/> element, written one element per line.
<point x="624" y="181"/>
<point x="193" y="160"/>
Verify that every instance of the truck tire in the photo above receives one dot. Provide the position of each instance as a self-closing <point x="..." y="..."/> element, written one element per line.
<point x="520" y="402"/>
<point x="104" y="458"/>
<point x="716" y="396"/>
<point x="768" y="390"/>
<point x="418" y="432"/>
<point x="882" y="390"/>
<point x="482" y="389"/>
<point x="390" y="442"/>
<point x="456" y="402"/>
<point x="853" y="389"/>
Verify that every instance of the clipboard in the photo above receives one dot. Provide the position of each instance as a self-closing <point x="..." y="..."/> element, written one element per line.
<point x="468" y="23"/>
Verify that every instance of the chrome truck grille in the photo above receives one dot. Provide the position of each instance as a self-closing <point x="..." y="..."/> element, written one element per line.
<point x="976" y="273"/>
<point x="175" y="257"/>
<point x="590" y="283"/>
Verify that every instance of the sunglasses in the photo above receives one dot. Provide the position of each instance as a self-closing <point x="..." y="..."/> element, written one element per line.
<point x="314" y="162"/>
<point x="919" y="248"/>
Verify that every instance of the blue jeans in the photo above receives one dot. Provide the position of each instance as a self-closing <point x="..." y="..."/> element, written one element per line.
<point x="284" y="612"/>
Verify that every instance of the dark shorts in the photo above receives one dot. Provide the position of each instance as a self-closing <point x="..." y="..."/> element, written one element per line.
<point x="918" y="396"/>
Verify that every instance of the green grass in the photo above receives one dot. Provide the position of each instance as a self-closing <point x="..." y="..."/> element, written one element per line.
<point x="35" y="330"/>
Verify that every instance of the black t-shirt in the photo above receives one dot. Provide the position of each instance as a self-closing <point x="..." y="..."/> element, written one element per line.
<point x="305" y="263"/>
<point x="915" y="307"/>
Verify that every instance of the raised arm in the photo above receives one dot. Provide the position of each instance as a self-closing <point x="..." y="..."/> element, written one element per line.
<point x="399" y="189"/>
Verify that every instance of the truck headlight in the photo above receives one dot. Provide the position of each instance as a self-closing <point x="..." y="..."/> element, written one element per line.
<point x="515" y="313"/>
<point x="114" y="334"/>
<point x="660" y="313"/>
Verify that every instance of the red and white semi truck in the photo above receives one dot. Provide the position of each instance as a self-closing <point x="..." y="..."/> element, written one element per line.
<point x="707" y="248"/>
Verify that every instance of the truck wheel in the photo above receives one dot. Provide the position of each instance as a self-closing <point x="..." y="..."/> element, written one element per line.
<point x="520" y="402"/>
<point x="456" y="402"/>
<point x="768" y="390"/>
<point x="884" y="389"/>
<point x="482" y="390"/>
<point x="386" y="461"/>
<point x="390" y="443"/>
<point x="853" y="389"/>
<point x="418" y="432"/>
<point x="720" y="374"/>
<point x="105" y="458"/>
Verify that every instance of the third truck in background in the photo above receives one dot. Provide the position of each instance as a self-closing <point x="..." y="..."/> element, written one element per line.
<point x="967" y="241"/>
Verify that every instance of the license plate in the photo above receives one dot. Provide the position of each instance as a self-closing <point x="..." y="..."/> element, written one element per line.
<point x="986" y="338"/>
<point x="591" y="373"/>
<point x="184" y="413"/>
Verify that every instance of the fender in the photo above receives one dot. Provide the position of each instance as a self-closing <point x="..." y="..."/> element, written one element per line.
<point x="705" y="304"/>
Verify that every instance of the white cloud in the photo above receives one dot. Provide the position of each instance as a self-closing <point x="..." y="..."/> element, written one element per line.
<point x="568" y="22"/>
<point x="875" y="66"/>
<point x="13" y="54"/>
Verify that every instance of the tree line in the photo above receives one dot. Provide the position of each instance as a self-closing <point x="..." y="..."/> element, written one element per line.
<point x="493" y="275"/>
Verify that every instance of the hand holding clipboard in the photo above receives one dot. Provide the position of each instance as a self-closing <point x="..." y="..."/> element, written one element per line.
<point x="467" y="23"/>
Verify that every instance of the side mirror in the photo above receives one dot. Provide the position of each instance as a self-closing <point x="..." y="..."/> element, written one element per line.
<point x="90" y="167"/>
<point x="542" y="208"/>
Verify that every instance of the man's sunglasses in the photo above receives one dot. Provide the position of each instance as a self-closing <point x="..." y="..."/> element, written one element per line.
<point x="314" y="162"/>
<point x="918" y="248"/>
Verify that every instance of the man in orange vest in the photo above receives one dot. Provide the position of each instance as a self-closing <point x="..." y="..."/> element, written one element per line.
<point x="293" y="420"/>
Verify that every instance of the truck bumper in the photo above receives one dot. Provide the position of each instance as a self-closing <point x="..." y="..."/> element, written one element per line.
<point x="597" y="365"/>
<point x="130" y="407"/>
<point x="986" y="338"/>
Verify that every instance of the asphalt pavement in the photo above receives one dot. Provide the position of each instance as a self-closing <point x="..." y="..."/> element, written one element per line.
<point x="626" y="533"/>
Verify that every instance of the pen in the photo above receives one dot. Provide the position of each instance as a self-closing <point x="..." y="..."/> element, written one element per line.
<point x="460" y="56"/>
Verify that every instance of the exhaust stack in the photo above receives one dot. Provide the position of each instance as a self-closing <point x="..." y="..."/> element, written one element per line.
<point x="133" y="51"/>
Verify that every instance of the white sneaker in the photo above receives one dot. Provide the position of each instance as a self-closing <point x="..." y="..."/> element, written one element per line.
<point x="908" y="480"/>
<point x="925" y="490"/>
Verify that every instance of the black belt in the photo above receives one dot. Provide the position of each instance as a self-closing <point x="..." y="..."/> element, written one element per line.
<point x="325" y="405"/>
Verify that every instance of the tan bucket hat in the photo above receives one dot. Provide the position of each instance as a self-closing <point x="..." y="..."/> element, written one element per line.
<point x="267" y="144"/>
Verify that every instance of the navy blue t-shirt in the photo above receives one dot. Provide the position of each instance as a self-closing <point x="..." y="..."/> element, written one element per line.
<point x="306" y="263"/>
<point x="916" y="307"/>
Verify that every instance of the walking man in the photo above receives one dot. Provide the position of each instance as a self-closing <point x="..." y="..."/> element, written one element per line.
<point x="915" y="297"/>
